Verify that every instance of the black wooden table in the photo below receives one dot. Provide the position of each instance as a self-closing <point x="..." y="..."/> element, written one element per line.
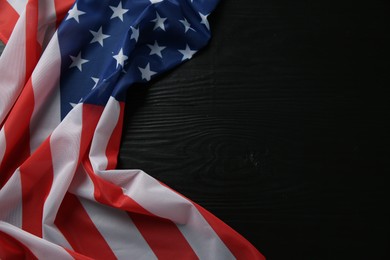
<point x="278" y="127"/>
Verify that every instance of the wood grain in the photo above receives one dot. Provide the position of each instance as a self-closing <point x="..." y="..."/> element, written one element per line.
<point x="279" y="127"/>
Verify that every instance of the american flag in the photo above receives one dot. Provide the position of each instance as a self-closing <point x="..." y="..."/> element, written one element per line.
<point x="63" y="80"/>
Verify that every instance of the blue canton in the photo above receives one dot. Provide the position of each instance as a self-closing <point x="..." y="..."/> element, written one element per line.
<point x="106" y="46"/>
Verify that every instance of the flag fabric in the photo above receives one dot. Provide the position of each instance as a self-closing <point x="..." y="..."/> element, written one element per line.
<point x="63" y="78"/>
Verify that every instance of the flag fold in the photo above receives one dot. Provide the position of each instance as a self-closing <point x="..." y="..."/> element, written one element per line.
<point x="64" y="74"/>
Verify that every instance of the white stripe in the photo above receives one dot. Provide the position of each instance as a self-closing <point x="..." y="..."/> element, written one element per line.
<point x="11" y="201"/>
<point x="46" y="21"/>
<point x="41" y="248"/>
<point x="45" y="119"/>
<point x="13" y="68"/>
<point x="18" y="5"/>
<point x="65" y="148"/>
<point x="164" y="202"/>
<point x="102" y="135"/>
<point x="202" y="238"/>
<point x="119" y="231"/>
<point x="47" y="110"/>
<point x="82" y="185"/>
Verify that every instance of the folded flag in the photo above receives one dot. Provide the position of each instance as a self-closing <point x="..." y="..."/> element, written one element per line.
<point x="63" y="79"/>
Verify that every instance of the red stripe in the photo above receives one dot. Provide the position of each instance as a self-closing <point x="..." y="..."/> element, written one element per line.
<point x="17" y="134"/>
<point x="77" y="256"/>
<point x="109" y="194"/>
<point x="62" y="8"/>
<point x="8" y="19"/>
<point x="33" y="49"/>
<point x="163" y="237"/>
<point x="90" y="118"/>
<point x="79" y="230"/>
<point x="36" y="176"/>
<point x="11" y="248"/>
<point x="115" y="139"/>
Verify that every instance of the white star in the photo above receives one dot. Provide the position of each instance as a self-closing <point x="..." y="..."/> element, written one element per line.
<point x="77" y="61"/>
<point x="204" y="20"/>
<point x="159" y="22"/>
<point x="74" y="13"/>
<point x="134" y="33"/>
<point x="155" y="1"/>
<point x="186" y="24"/>
<point x="155" y="49"/>
<point x="96" y="80"/>
<point x="120" y="58"/>
<point x="187" y="53"/>
<point x="118" y="11"/>
<point x="99" y="36"/>
<point x="146" y="72"/>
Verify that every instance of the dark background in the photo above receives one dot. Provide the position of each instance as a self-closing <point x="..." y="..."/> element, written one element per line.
<point x="278" y="127"/>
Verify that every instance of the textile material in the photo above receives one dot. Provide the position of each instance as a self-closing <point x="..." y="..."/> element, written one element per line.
<point x="63" y="86"/>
